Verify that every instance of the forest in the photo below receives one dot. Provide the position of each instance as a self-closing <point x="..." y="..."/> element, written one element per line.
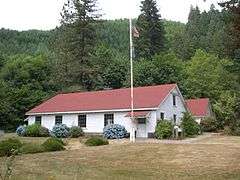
<point x="87" y="53"/>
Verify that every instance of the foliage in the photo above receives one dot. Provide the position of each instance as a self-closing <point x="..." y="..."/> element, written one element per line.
<point x="164" y="129"/>
<point x="189" y="125"/>
<point x="6" y="175"/>
<point x="150" y="26"/>
<point x="207" y="76"/>
<point x="36" y="130"/>
<point x="61" y="131"/>
<point x="114" y="131"/>
<point x="96" y="141"/>
<point x="21" y="130"/>
<point x="24" y="82"/>
<point x="79" y="20"/>
<point x="76" y="132"/>
<point x="7" y="147"/>
<point x="53" y="144"/>
<point x="225" y="108"/>
<point x="31" y="148"/>
<point x="209" y="124"/>
<point x="164" y="68"/>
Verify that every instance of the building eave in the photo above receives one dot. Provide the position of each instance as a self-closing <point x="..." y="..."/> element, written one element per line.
<point x="94" y="111"/>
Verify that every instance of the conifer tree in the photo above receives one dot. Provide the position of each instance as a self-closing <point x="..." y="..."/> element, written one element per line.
<point x="150" y="27"/>
<point x="77" y="42"/>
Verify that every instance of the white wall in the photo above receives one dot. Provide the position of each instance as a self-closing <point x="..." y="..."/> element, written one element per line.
<point x="169" y="109"/>
<point x="95" y="121"/>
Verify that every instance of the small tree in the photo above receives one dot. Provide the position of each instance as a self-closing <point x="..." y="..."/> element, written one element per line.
<point x="164" y="129"/>
<point x="189" y="125"/>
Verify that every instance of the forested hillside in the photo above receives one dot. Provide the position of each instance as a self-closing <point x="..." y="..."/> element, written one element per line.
<point x="202" y="56"/>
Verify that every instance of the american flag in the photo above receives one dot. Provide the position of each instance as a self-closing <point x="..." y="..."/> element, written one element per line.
<point x="136" y="33"/>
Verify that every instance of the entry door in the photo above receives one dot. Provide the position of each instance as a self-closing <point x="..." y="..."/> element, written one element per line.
<point x="141" y="128"/>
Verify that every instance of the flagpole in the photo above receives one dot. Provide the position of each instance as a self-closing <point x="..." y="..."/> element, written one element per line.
<point x="132" y="133"/>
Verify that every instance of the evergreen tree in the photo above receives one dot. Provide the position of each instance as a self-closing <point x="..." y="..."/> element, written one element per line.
<point x="77" y="42"/>
<point x="150" y="26"/>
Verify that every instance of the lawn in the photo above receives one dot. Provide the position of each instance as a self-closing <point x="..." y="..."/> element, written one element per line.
<point x="215" y="157"/>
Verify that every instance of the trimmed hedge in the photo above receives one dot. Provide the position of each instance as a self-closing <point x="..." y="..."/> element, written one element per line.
<point x="61" y="131"/>
<point x="36" y="130"/>
<point x="53" y="144"/>
<point x="114" y="131"/>
<point x="164" y="129"/>
<point x="96" y="141"/>
<point x="7" y="147"/>
<point x="76" y="132"/>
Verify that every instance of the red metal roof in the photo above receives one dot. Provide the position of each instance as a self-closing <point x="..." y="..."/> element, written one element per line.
<point x="198" y="107"/>
<point x="138" y="114"/>
<point x="144" y="97"/>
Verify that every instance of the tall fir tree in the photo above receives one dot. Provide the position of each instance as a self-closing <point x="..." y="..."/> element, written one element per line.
<point x="151" y="29"/>
<point x="77" y="41"/>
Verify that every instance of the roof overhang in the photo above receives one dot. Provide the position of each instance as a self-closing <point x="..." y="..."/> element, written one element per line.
<point x="138" y="114"/>
<point x="94" y="111"/>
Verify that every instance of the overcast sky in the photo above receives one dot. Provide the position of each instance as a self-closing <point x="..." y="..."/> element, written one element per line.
<point x="45" y="14"/>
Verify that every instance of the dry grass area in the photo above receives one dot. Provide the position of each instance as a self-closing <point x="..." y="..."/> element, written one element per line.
<point x="213" y="157"/>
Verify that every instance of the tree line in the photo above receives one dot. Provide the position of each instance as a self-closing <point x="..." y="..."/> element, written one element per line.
<point x="87" y="53"/>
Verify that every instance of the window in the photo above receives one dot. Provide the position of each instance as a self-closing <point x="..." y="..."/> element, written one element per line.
<point x="38" y="120"/>
<point x="82" y="120"/>
<point x="162" y="116"/>
<point x="141" y="120"/>
<point x="58" y="119"/>
<point x="174" y="118"/>
<point x="174" y="100"/>
<point x="108" y="119"/>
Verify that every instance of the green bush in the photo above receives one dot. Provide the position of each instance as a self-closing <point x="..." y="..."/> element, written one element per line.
<point x="76" y="132"/>
<point x="53" y="144"/>
<point x="164" y="129"/>
<point x="31" y="148"/>
<point x="96" y="141"/>
<point x="209" y="124"/>
<point x="7" y="147"/>
<point x="189" y="125"/>
<point x="36" y="130"/>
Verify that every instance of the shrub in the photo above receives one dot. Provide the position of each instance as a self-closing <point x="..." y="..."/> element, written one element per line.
<point x="44" y="132"/>
<point x="31" y="148"/>
<point x="164" y="129"/>
<point x="96" y="141"/>
<point x="76" y="132"/>
<point x="7" y="147"/>
<point x="189" y="125"/>
<point x="36" y="130"/>
<point x="53" y="144"/>
<point x="21" y="131"/>
<point x="209" y="124"/>
<point x="61" y="131"/>
<point x="114" y="131"/>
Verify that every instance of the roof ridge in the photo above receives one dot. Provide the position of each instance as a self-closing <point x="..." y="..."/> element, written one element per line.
<point x="110" y="90"/>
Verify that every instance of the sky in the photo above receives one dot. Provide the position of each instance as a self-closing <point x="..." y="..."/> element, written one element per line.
<point x="45" y="14"/>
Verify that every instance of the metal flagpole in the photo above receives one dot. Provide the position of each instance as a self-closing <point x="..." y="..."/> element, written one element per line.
<point x="132" y="133"/>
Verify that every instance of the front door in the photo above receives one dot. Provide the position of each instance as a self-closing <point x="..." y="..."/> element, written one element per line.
<point x="141" y="128"/>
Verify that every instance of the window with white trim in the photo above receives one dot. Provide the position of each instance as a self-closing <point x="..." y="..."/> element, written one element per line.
<point x="58" y="120"/>
<point x="108" y="119"/>
<point x="38" y="120"/>
<point x="82" y="120"/>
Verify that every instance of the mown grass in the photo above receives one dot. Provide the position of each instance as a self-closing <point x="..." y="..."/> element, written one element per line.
<point x="212" y="158"/>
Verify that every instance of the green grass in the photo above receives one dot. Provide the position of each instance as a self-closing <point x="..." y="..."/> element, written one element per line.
<point x="212" y="158"/>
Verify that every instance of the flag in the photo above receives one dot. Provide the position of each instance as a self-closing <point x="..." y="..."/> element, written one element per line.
<point x="136" y="33"/>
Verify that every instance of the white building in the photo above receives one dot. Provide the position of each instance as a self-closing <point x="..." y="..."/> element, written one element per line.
<point x="200" y="108"/>
<point x="94" y="110"/>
